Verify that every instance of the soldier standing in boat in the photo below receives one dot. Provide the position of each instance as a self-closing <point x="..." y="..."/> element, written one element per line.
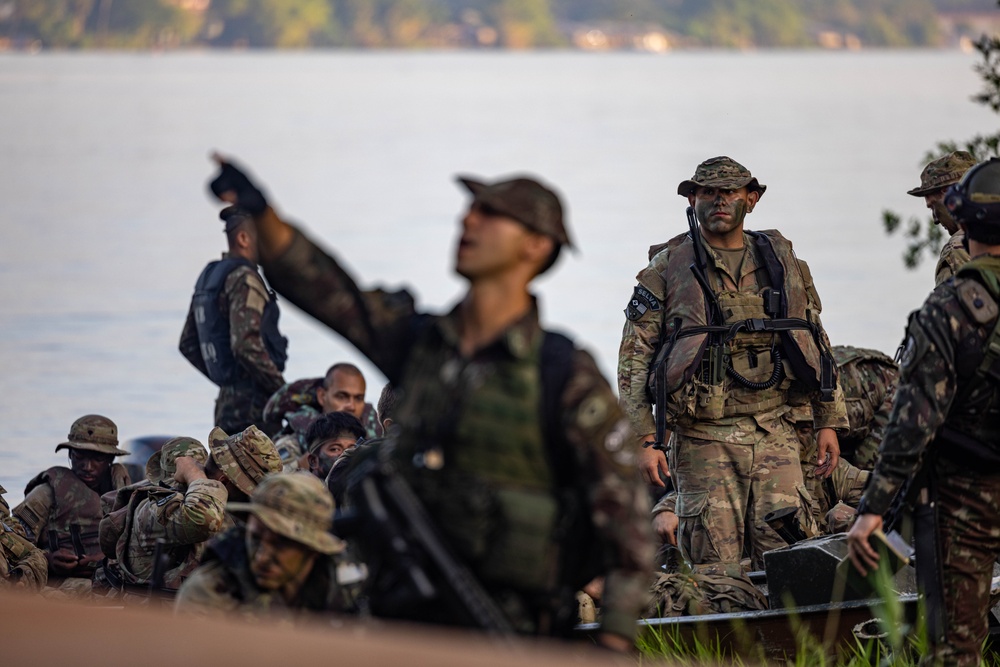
<point x="501" y="424"/>
<point x="231" y="332"/>
<point x="945" y="429"/>
<point x="935" y="179"/>
<point x="728" y="322"/>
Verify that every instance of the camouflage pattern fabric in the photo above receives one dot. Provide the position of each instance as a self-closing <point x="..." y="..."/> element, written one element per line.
<point x="161" y="465"/>
<point x="243" y="298"/>
<point x="868" y="380"/>
<point x="945" y="343"/>
<point x="720" y="172"/>
<point x="245" y="458"/>
<point x="953" y="257"/>
<point x="94" y="433"/>
<point x="689" y="594"/>
<point x="942" y="172"/>
<point x="22" y="564"/>
<point x="224" y="585"/>
<point x="526" y="200"/>
<point x="381" y="324"/>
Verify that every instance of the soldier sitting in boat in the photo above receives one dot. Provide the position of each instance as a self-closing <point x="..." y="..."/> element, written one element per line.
<point x="22" y="564"/>
<point x="62" y="506"/>
<point x="180" y="508"/>
<point x="299" y="403"/>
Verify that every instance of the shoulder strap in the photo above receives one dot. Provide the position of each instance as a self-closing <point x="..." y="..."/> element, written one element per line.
<point x="989" y="367"/>
<point x="556" y="365"/>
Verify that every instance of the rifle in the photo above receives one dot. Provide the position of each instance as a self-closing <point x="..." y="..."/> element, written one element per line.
<point x="394" y="527"/>
<point x="77" y="538"/>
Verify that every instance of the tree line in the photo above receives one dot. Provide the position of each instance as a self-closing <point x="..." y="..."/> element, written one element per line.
<point x="78" y="24"/>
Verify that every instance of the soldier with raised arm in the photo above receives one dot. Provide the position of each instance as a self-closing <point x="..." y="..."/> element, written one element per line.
<point x="490" y="439"/>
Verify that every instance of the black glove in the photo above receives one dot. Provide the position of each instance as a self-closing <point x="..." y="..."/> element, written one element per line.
<point x="231" y="179"/>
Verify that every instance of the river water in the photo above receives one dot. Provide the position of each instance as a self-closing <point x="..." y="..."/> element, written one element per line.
<point x="106" y="221"/>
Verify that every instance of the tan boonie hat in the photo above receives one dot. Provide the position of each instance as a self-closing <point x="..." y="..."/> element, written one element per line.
<point x="942" y="172"/>
<point x="161" y="465"/>
<point x="93" y="433"/>
<point x="245" y="458"/>
<point x="720" y="172"/>
<point x="526" y="200"/>
<point x="297" y="506"/>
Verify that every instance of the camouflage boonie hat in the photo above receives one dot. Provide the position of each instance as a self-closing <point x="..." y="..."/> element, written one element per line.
<point x="245" y="458"/>
<point x="720" y="172"/>
<point x="93" y="433"/>
<point x="161" y="465"/>
<point x="297" y="506"/>
<point x="942" y="172"/>
<point x="526" y="200"/>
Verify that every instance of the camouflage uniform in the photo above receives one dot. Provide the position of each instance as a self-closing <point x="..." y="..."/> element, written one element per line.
<point x="298" y="407"/>
<point x="937" y="176"/>
<point x="733" y="458"/>
<point x="22" y="564"/>
<point x="56" y="500"/>
<point x="941" y="399"/>
<point x="183" y="516"/>
<point x="296" y="506"/>
<point x="244" y="297"/>
<point x="868" y="380"/>
<point x="472" y="410"/>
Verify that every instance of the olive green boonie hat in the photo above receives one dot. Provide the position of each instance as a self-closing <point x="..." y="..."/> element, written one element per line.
<point x="161" y="465"/>
<point x="297" y="506"/>
<point x="245" y="458"/>
<point x="942" y="172"/>
<point x="93" y="433"/>
<point x="526" y="200"/>
<point x="720" y="172"/>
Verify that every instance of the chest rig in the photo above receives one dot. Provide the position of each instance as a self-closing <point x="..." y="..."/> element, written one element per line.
<point x="731" y="352"/>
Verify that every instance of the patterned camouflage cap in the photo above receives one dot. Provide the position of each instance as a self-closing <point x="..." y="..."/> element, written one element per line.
<point x="297" y="506"/>
<point x="942" y="172"/>
<point x="720" y="172"/>
<point x="93" y="433"/>
<point x="245" y="458"/>
<point x="161" y="465"/>
<point x="526" y="200"/>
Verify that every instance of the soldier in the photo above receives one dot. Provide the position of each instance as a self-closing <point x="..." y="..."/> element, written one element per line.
<point x="475" y="441"/>
<point x="180" y="506"/>
<point x="329" y="437"/>
<point x="735" y="319"/>
<point x="62" y="508"/>
<point x="868" y="380"/>
<point x="300" y="403"/>
<point x="945" y="421"/>
<point x="22" y="564"/>
<point x="935" y="179"/>
<point x="231" y="332"/>
<point x="282" y="561"/>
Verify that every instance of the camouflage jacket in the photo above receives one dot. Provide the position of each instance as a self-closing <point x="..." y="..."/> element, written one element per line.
<point x="953" y="257"/>
<point x="185" y="519"/>
<point x="381" y="326"/>
<point x="22" y="564"/>
<point x="244" y="296"/>
<point x="642" y="334"/>
<point x="945" y="342"/>
<point x="868" y="379"/>
<point x="223" y="584"/>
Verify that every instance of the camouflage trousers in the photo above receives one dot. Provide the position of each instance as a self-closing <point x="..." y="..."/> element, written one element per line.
<point x="968" y="528"/>
<point x="724" y="492"/>
<point x="236" y="408"/>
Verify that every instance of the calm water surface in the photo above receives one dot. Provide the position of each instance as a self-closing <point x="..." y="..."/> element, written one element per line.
<point x="106" y="222"/>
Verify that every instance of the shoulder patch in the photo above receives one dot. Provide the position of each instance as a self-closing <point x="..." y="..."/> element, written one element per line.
<point x="977" y="301"/>
<point x="642" y="302"/>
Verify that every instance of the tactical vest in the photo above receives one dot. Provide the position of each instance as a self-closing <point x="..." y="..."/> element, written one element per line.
<point x="761" y="341"/>
<point x="478" y="431"/>
<point x="213" y="324"/>
<point x="76" y="507"/>
<point x="971" y="434"/>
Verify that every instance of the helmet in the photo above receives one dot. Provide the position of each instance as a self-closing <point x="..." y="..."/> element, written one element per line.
<point x="976" y="198"/>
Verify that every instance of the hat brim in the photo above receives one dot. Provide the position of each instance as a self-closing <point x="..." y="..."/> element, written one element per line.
<point x="93" y="447"/>
<point x="688" y="187"/>
<point x="227" y="462"/>
<point x="316" y="539"/>
<point x="154" y="473"/>
<point x="923" y="192"/>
